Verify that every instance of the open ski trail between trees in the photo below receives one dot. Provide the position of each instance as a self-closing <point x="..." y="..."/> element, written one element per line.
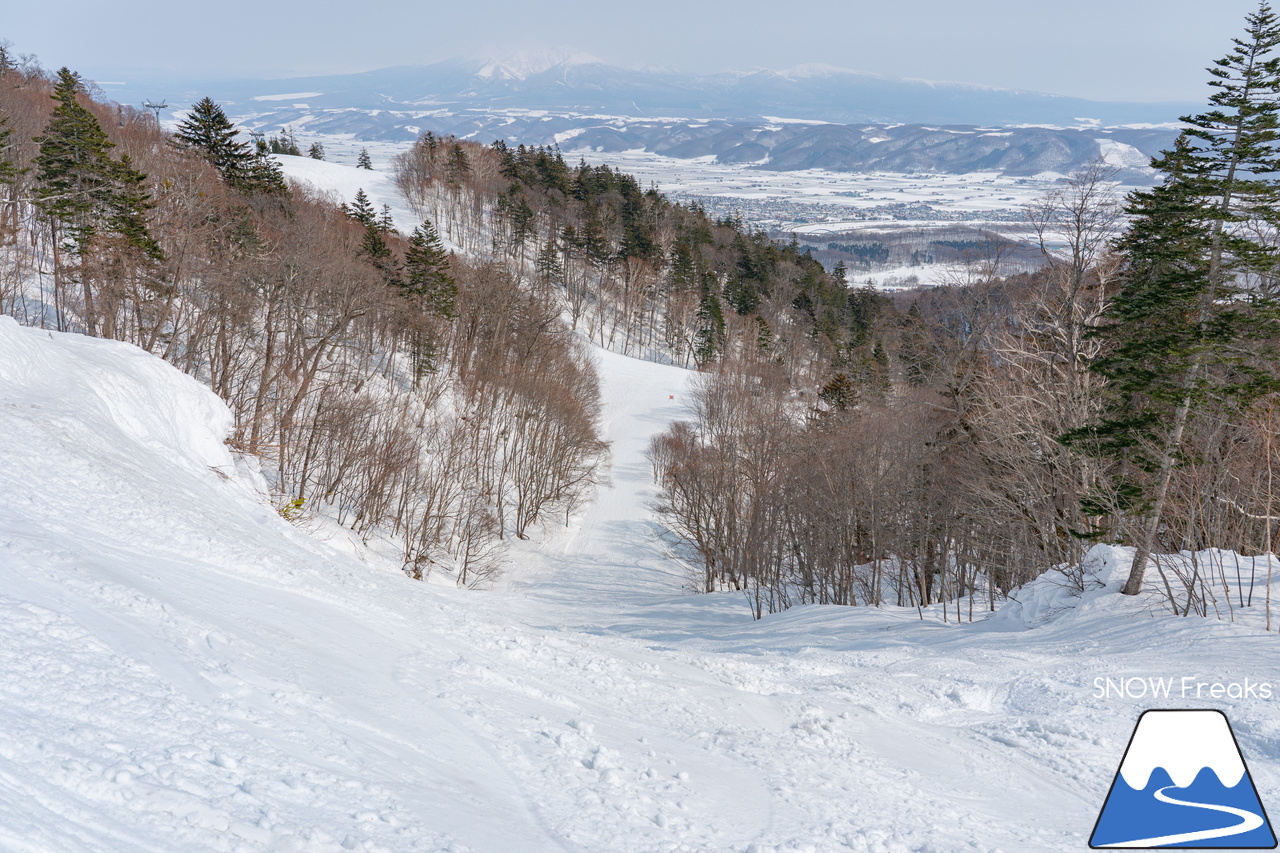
<point x="183" y="670"/>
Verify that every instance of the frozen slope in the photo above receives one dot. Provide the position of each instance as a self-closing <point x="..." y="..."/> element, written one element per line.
<point x="181" y="670"/>
<point x="611" y="553"/>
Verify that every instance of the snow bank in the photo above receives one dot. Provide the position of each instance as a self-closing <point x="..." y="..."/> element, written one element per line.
<point x="115" y="396"/>
<point x="341" y="183"/>
<point x="181" y="670"/>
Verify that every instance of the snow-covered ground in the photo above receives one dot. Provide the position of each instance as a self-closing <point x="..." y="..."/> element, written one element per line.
<point x="812" y="203"/>
<point x="183" y="670"/>
<point x="341" y="182"/>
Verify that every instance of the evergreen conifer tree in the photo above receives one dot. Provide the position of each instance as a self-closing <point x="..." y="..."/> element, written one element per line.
<point x="8" y="171"/>
<point x="840" y="393"/>
<point x="426" y="271"/>
<point x="709" y="338"/>
<point x="550" y="270"/>
<point x="74" y="171"/>
<point x="94" y="203"/>
<point x="363" y="161"/>
<point x="127" y="208"/>
<point x="361" y="209"/>
<point x="207" y="130"/>
<point x="764" y="335"/>
<point x="1185" y="330"/>
<point x="316" y="151"/>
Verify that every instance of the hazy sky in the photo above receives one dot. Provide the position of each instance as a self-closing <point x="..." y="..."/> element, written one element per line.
<point x="1104" y="49"/>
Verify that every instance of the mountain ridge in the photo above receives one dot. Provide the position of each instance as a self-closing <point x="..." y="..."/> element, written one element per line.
<point x="569" y="81"/>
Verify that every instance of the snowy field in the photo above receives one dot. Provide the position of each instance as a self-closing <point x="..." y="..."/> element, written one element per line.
<point x="813" y="204"/>
<point x="184" y="670"/>
<point x="786" y="200"/>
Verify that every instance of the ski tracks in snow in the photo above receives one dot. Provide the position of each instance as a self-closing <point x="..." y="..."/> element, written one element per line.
<point x="181" y="671"/>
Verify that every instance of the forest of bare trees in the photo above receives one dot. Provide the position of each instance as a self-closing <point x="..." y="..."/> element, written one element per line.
<point x="446" y="430"/>
<point x="941" y="446"/>
<point x="938" y="475"/>
<point x="444" y="400"/>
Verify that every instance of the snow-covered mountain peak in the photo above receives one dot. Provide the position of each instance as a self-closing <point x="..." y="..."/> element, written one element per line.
<point x="526" y="63"/>
<point x="809" y="70"/>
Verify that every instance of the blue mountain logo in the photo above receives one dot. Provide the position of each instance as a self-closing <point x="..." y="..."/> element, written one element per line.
<point x="1183" y="783"/>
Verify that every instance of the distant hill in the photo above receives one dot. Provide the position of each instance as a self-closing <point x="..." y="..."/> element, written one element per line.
<point x="781" y="119"/>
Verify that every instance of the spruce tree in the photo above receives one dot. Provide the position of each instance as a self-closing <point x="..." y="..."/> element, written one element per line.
<point x="840" y="393"/>
<point x="8" y="178"/>
<point x="426" y="271"/>
<point x="73" y="180"/>
<point x="207" y="130"/>
<point x="8" y="171"/>
<point x="374" y="245"/>
<point x="361" y="209"/>
<point x="93" y="203"/>
<point x="363" y="161"/>
<point x="709" y="337"/>
<point x="764" y="335"/>
<point x="548" y="265"/>
<point x="1184" y="332"/>
<point x="316" y="151"/>
<point x="127" y="208"/>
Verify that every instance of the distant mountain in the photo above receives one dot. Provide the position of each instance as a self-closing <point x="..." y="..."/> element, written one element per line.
<point x="579" y="101"/>
<point x="564" y="82"/>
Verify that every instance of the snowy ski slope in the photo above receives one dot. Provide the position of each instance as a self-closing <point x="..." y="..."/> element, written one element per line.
<point x="183" y="670"/>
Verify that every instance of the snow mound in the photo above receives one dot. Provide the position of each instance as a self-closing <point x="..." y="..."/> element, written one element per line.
<point x="182" y="670"/>
<point x="113" y="396"/>
<point x="1056" y="594"/>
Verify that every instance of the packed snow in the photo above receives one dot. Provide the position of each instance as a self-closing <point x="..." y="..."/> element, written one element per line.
<point x="184" y="670"/>
<point x="340" y="183"/>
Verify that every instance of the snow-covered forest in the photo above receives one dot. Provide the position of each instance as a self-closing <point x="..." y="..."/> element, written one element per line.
<point x="481" y="501"/>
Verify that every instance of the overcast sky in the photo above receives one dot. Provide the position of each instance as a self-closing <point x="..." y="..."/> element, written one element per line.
<point x="1104" y="49"/>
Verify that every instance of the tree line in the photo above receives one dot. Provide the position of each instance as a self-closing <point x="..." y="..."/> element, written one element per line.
<point x="1126" y="392"/>
<point x="423" y="398"/>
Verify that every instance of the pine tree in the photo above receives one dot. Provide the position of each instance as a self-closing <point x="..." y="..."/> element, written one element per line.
<point x="316" y="151"/>
<point x="361" y="209"/>
<point x="8" y="171"/>
<point x="127" y="209"/>
<point x="207" y="130"/>
<point x="363" y="161"/>
<point x="74" y="171"/>
<point x="97" y="204"/>
<point x="426" y="271"/>
<point x="709" y="338"/>
<point x="1183" y="333"/>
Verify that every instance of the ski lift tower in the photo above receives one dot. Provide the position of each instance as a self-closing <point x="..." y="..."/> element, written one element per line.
<point x="155" y="108"/>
